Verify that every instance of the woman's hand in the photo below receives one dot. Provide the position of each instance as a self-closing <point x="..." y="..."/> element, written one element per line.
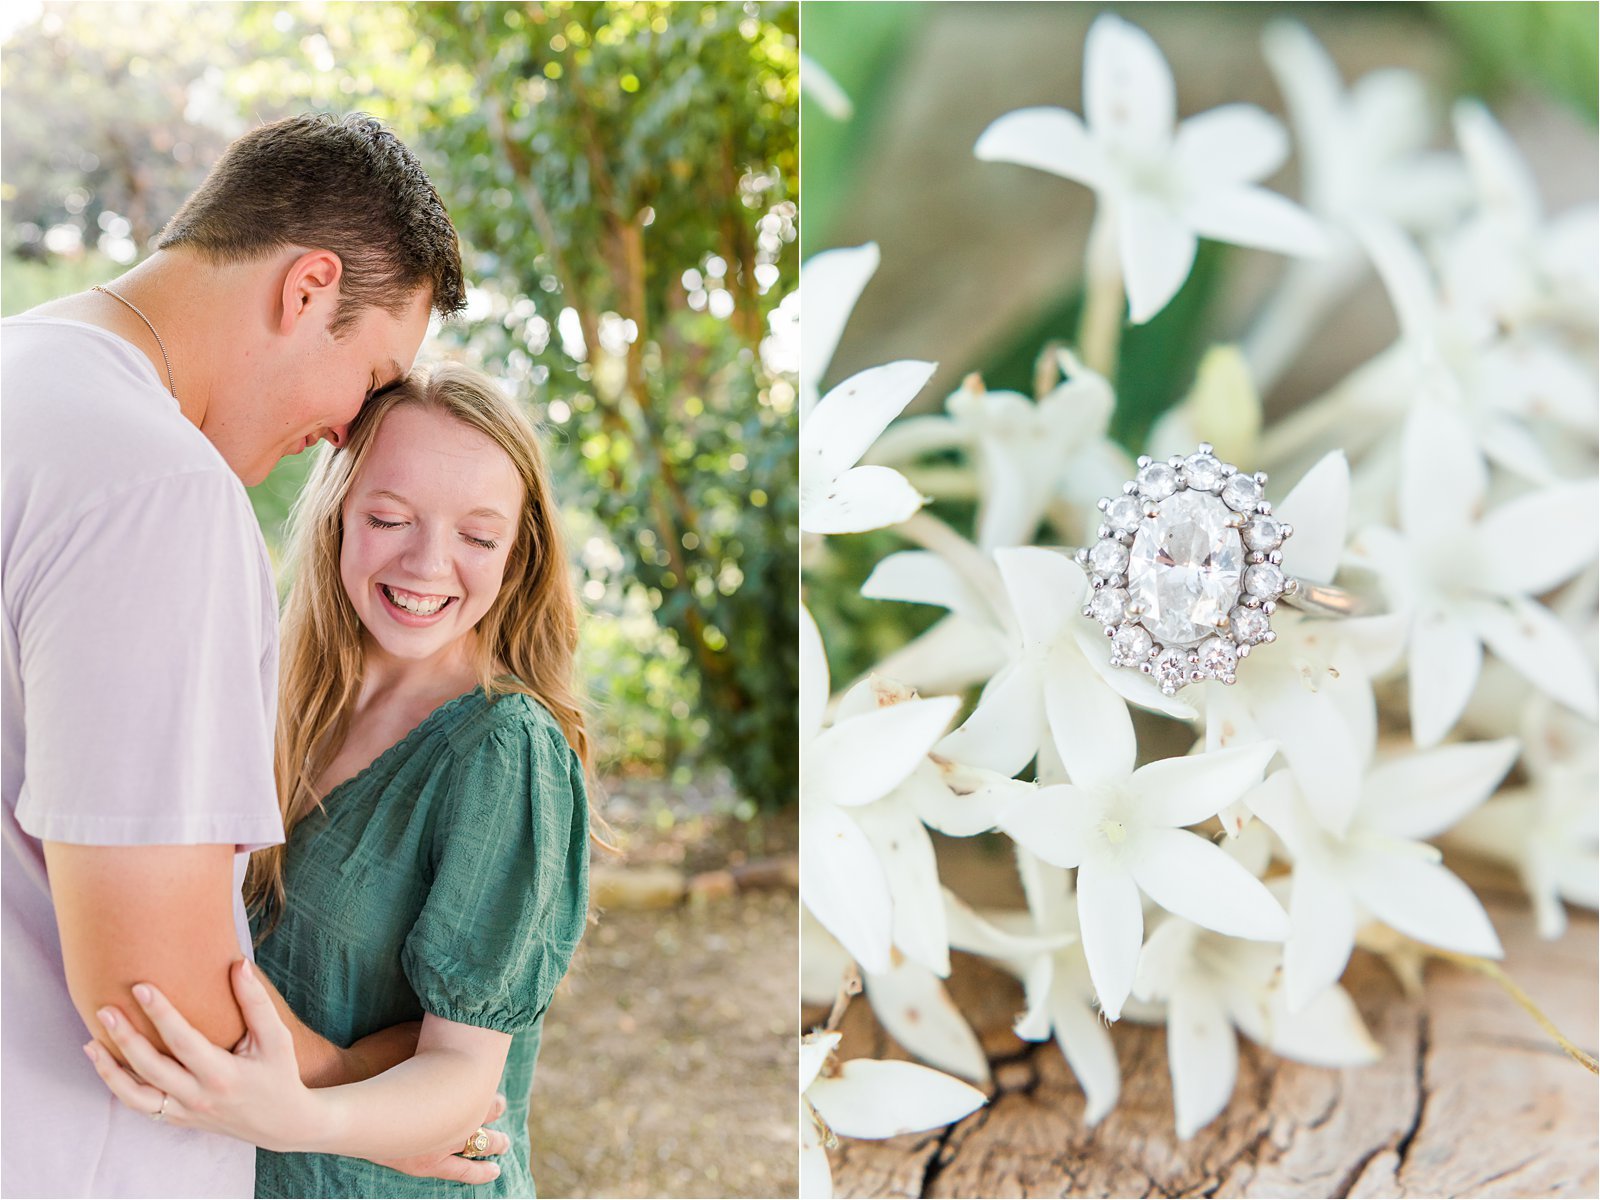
<point x="254" y="1093"/>
<point x="452" y="1166"/>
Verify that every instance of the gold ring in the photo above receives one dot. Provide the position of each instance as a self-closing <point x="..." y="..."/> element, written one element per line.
<point x="477" y="1144"/>
<point x="161" y="1113"/>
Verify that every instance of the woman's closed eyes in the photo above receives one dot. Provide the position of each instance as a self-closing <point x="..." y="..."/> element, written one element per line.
<point x="485" y="543"/>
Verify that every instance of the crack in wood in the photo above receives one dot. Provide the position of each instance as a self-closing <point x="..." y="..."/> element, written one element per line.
<point x="1353" y="1176"/>
<point x="1483" y="1184"/>
<point x="1403" y="1146"/>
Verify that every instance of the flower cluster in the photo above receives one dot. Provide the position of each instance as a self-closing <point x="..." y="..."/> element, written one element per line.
<point x="1448" y="485"/>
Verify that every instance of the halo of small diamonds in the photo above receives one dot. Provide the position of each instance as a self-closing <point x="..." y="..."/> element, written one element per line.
<point x="1210" y="566"/>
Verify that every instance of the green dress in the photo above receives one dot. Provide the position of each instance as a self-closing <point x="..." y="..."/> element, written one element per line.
<point x="448" y="877"/>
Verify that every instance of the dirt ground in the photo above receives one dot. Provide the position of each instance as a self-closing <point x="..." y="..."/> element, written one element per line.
<point x="668" y="1064"/>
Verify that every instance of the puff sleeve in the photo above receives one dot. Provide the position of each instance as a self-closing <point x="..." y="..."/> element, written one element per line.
<point x="509" y="895"/>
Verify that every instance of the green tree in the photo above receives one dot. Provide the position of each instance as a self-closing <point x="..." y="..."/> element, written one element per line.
<point x="626" y="178"/>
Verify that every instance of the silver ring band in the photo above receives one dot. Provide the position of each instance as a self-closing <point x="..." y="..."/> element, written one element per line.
<point x="1360" y="599"/>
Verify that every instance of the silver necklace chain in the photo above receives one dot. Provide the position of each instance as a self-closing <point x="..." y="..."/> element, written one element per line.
<point x="171" y="387"/>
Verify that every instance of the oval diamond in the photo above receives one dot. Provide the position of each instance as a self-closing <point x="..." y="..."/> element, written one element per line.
<point x="1185" y="568"/>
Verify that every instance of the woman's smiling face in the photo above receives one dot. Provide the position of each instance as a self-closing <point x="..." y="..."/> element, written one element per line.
<point x="428" y="527"/>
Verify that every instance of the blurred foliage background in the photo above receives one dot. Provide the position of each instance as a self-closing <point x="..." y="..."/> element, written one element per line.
<point x="624" y="180"/>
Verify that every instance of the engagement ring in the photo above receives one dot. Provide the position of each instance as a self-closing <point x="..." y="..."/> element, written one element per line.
<point x="1188" y="571"/>
<point x="161" y="1113"/>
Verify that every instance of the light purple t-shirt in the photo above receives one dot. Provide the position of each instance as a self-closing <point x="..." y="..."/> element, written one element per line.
<point x="140" y="670"/>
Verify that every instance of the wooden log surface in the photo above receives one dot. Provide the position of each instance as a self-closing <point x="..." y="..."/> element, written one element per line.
<point x="1469" y="1099"/>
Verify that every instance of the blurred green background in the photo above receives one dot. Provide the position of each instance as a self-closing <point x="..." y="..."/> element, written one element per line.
<point x="623" y="177"/>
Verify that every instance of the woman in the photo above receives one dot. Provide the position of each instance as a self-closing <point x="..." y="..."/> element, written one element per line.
<point x="430" y="763"/>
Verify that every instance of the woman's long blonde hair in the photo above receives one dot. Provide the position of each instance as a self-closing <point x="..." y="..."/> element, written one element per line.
<point x="531" y="629"/>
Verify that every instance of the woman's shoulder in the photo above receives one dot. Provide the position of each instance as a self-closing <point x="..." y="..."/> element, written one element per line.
<point x="508" y="755"/>
<point x="509" y="721"/>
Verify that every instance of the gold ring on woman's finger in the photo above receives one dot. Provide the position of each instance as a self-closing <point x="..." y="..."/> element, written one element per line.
<point x="477" y="1144"/>
<point x="161" y="1113"/>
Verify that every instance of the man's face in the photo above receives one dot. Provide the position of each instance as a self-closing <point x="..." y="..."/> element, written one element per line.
<point x="316" y="388"/>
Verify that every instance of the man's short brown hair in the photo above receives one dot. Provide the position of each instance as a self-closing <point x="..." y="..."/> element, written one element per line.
<point x="344" y="184"/>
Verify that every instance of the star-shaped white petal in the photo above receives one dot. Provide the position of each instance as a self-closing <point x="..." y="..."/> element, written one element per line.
<point x="1465" y="578"/>
<point x="1125" y="835"/>
<point x="836" y="496"/>
<point x="1383" y="863"/>
<point x="861" y="852"/>
<point x="1163" y="185"/>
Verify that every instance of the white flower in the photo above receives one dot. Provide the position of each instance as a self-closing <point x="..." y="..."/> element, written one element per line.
<point x="1362" y="153"/>
<point x="1464" y="351"/>
<point x="1382" y="863"/>
<point x="1163" y="188"/>
<point x="850" y="868"/>
<point x="1522" y="290"/>
<point x="1465" y="578"/>
<point x="958" y="800"/>
<point x="867" y="1098"/>
<point x="1310" y="692"/>
<point x="968" y="646"/>
<point x="1310" y="689"/>
<point x="1059" y="679"/>
<point x="1509" y="264"/>
<point x="1124" y="832"/>
<point x="836" y="496"/>
<point x="1041" y="948"/>
<point x="831" y="283"/>
<point x="1504" y="704"/>
<point x="1213" y="985"/>
<point x="1521" y="386"/>
<point x="1550" y="830"/>
<point x="1025" y="453"/>
<point x="823" y="962"/>
<point x="914" y="1008"/>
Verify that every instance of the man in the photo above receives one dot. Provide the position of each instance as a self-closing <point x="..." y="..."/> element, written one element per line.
<point x="140" y="641"/>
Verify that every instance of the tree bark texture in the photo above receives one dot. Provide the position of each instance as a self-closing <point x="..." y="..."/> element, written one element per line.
<point x="1469" y="1099"/>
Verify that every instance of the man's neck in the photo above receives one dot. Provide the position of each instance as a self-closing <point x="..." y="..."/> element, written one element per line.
<point x="177" y="294"/>
<point x="194" y="311"/>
